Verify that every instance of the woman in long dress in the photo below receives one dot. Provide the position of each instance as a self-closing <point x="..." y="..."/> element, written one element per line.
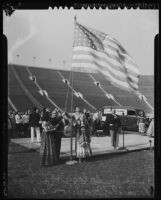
<point x="83" y="139"/>
<point x="48" y="155"/>
<point x="141" y="123"/>
<point x="150" y="131"/>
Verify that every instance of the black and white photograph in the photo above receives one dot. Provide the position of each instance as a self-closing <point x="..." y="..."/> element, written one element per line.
<point x="81" y="106"/>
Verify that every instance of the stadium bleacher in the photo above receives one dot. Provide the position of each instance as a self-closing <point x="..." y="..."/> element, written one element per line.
<point x="16" y="93"/>
<point x="126" y="98"/>
<point x="51" y="81"/>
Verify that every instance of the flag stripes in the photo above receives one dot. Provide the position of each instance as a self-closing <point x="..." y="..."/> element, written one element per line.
<point x="85" y="54"/>
<point x="105" y="57"/>
<point x="94" y="49"/>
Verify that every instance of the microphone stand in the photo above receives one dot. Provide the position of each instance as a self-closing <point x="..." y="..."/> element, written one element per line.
<point x="123" y="147"/>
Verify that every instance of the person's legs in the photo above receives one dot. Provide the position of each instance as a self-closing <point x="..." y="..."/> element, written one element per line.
<point x="80" y="160"/>
<point x="112" y="137"/>
<point x="38" y="134"/>
<point x="117" y="139"/>
<point x="25" y="128"/>
<point x="18" y="130"/>
<point x="76" y="139"/>
<point x="58" y="146"/>
<point x="32" y="133"/>
<point x="22" y="129"/>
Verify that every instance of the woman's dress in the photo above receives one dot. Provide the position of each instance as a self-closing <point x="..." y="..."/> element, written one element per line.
<point x="141" y="125"/>
<point x="48" y="154"/>
<point x="142" y="128"/>
<point x="150" y="131"/>
<point x="83" y="144"/>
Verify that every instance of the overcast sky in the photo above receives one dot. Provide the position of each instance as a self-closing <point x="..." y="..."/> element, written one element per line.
<point x="48" y="34"/>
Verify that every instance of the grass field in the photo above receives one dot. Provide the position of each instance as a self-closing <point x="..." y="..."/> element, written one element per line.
<point x="121" y="175"/>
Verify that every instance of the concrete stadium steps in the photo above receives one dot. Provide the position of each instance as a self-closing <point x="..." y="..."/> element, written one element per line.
<point x="84" y="84"/>
<point x="146" y="86"/>
<point x="10" y="107"/>
<point x="56" y="88"/>
<point x="77" y="102"/>
<point x="40" y="101"/>
<point x="125" y="98"/>
<point x="51" y="81"/>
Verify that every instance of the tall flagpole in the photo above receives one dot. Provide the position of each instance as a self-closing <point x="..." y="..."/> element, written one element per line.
<point x="71" y="136"/>
<point x="71" y="162"/>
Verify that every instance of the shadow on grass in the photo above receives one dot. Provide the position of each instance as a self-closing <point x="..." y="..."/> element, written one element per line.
<point x="101" y="157"/>
<point x="17" y="148"/>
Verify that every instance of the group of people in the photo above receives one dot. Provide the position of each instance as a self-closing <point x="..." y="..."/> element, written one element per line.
<point x="18" y="122"/>
<point x="50" y="127"/>
<point x="53" y="128"/>
<point x="52" y="132"/>
<point x="145" y="125"/>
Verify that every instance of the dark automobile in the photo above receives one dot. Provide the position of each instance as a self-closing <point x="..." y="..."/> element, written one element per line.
<point x="128" y="116"/>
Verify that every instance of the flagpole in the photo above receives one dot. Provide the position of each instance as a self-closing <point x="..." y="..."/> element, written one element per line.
<point x="71" y="136"/>
<point x="71" y="162"/>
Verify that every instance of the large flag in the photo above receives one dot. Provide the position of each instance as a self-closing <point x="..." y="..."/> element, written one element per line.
<point x="96" y="50"/>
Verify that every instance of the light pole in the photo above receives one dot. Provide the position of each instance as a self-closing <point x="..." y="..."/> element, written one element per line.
<point x="34" y="58"/>
<point x="18" y="58"/>
<point x="64" y="62"/>
<point x="50" y="60"/>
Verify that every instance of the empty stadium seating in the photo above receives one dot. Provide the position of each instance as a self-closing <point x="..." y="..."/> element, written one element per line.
<point x="23" y="92"/>
<point x="126" y="98"/>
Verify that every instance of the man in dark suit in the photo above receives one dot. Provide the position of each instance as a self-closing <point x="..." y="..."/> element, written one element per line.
<point x="34" y="119"/>
<point x="114" y="124"/>
<point x="57" y="123"/>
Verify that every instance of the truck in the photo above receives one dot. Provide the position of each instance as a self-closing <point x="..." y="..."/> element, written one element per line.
<point x="128" y="116"/>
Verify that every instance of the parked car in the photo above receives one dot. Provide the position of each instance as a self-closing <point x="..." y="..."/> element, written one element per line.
<point x="128" y="116"/>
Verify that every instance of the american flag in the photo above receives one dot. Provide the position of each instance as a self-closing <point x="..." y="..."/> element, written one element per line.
<point x="96" y="50"/>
